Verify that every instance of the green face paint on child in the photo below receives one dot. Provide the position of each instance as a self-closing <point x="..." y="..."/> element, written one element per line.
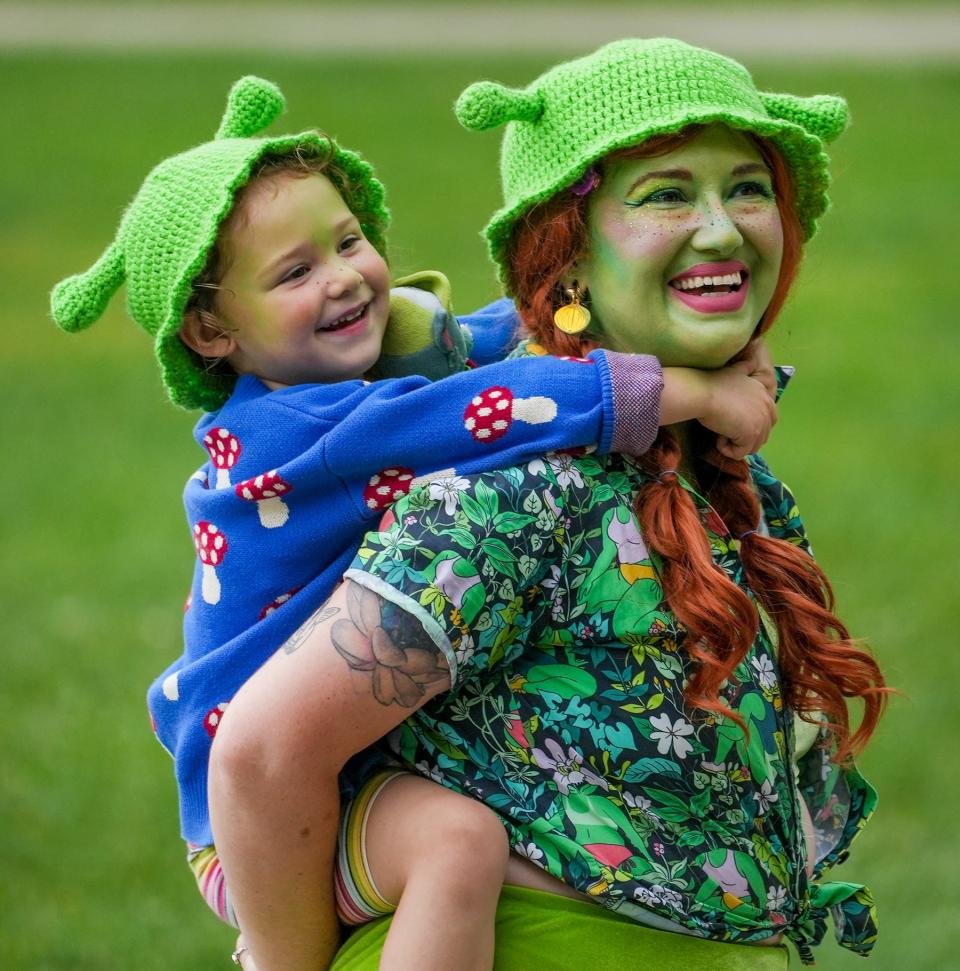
<point x="305" y="297"/>
<point x="684" y="250"/>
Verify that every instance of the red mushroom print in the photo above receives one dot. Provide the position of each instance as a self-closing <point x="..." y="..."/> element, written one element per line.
<point x="212" y="719"/>
<point x="224" y="450"/>
<point x="387" y="487"/>
<point x="490" y="414"/>
<point x="211" y="547"/>
<point x="265" y="491"/>
<point x="279" y="602"/>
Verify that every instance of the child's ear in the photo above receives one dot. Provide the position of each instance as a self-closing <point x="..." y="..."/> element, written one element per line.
<point x="201" y="333"/>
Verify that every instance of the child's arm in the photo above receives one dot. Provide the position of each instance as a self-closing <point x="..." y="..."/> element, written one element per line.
<point x="501" y="415"/>
<point x="400" y="433"/>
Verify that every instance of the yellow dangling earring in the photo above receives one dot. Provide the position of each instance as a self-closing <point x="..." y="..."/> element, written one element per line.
<point x="572" y="318"/>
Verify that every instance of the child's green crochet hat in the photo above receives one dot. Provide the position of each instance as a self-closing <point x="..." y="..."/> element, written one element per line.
<point x="623" y="94"/>
<point x="167" y="232"/>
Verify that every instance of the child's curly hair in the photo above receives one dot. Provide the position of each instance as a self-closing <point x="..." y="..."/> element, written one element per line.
<point x="299" y="162"/>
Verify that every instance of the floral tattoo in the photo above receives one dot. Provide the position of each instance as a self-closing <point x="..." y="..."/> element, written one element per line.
<point x="299" y="636"/>
<point x="404" y="664"/>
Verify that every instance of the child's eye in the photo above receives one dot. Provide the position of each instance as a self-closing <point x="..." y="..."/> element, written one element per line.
<point x="297" y="273"/>
<point x="753" y="189"/>
<point x="348" y="242"/>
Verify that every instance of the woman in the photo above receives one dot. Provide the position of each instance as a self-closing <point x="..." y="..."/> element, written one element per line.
<point x="624" y="646"/>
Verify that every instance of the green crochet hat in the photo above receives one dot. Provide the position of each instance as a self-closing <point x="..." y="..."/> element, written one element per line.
<point x="167" y="232"/>
<point x="623" y="94"/>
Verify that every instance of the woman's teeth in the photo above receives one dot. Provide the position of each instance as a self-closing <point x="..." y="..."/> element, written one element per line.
<point x="730" y="280"/>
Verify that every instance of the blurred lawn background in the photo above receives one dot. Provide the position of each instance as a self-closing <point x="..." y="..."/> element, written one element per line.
<point x="98" y="560"/>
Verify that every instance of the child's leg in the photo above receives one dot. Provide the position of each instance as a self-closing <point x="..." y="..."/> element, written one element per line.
<point x="443" y="857"/>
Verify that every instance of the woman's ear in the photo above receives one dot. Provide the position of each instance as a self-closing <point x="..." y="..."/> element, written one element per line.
<point x="201" y="332"/>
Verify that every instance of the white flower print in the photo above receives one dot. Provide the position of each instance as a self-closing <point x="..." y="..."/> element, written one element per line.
<point x="776" y="897"/>
<point x="529" y="851"/>
<point x="671" y="734"/>
<point x="448" y="488"/>
<point x="765" y="673"/>
<point x="430" y="771"/>
<point x="552" y="582"/>
<point x="651" y="896"/>
<point x="562" y="467"/>
<point x="465" y="650"/>
<point x="568" y="770"/>
<point x="642" y="803"/>
<point x="766" y="797"/>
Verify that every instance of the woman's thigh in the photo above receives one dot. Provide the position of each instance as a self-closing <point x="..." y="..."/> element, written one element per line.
<point x="544" y="931"/>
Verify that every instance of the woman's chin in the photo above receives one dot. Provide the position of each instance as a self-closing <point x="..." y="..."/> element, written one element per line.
<point x="711" y="346"/>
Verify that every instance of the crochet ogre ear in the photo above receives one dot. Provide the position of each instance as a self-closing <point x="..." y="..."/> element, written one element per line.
<point x="823" y="115"/>
<point x="80" y="300"/>
<point x="252" y="105"/>
<point x="486" y="104"/>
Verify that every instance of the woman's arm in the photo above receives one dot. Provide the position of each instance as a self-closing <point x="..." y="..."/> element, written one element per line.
<point x="338" y="685"/>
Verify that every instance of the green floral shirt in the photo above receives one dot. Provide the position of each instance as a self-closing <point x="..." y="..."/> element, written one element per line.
<point x="567" y="717"/>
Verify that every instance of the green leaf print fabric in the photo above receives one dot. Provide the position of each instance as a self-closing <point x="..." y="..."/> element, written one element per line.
<point x="567" y="716"/>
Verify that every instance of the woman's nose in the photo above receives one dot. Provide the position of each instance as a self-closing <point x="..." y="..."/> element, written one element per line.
<point x="717" y="233"/>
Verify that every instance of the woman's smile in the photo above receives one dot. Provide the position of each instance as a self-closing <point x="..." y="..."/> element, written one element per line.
<point x="711" y="288"/>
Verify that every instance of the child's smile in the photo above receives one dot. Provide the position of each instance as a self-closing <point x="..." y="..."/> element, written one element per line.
<point x="305" y="295"/>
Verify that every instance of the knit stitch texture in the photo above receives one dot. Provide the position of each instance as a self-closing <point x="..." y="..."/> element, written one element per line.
<point x="167" y="232"/>
<point x="625" y="93"/>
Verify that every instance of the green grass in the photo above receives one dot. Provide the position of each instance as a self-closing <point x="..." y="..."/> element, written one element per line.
<point x="97" y="560"/>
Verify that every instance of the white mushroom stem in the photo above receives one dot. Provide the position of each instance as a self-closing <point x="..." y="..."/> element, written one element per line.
<point x="223" y="478"/>
<point x="273" y="512"/>
<point x="211" y="585"/>
<point x="422" y="480"/>
<point x="534" y="411"/>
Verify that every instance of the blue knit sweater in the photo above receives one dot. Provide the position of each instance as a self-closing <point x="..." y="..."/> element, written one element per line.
<point x="296" y="477"/>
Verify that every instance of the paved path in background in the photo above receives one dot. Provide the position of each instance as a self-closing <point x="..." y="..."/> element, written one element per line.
<point x="915" y="34"/>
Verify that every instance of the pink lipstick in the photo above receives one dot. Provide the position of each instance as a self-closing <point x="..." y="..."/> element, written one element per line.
<point x="712" y="288"/>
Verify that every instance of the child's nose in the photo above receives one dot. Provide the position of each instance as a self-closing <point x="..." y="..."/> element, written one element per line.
<point x="342" y="279"/>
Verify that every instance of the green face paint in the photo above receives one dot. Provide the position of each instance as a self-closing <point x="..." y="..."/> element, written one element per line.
<point x="684" y="250"/>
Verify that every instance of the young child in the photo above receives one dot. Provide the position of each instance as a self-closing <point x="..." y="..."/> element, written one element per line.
<point x="257" y="265"/>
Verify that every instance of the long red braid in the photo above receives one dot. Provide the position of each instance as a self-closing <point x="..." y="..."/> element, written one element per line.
<point x="820" y="666"/>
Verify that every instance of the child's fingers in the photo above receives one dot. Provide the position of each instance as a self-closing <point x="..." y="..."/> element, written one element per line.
<point x="731" y="449"/>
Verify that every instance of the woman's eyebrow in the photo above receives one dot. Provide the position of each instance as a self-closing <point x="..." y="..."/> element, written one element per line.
<point x="751" y="168"/>
<point x="684" y="174"/>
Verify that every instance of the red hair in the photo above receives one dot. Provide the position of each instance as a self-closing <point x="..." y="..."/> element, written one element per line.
<point x="820" y="665"/>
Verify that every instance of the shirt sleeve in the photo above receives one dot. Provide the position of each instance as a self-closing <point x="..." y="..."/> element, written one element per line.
<point x="400" y="433"/>
<point x="495" y="329"/>
<point x="466" y="560"/>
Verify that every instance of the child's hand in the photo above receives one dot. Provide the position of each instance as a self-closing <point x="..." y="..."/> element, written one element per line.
<point x="740" y="406"/>
<point x="757" y="355"/>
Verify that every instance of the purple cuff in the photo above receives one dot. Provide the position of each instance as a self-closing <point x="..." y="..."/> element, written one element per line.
<point x="637" y="381"/>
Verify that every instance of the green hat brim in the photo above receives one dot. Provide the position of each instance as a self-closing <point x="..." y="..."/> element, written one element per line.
<point x="802" y="151"/>
<point x="189" y="380"/>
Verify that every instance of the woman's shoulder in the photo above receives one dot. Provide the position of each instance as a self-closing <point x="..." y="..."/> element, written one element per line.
<point x="780" y="512"/>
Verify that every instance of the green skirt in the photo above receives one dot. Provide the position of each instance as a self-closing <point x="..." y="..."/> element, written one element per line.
<point x="537" y="930"/>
